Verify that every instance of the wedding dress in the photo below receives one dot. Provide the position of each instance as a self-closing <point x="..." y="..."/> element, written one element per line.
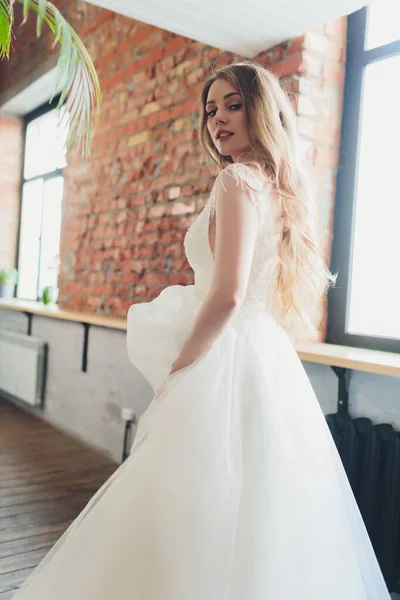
<point x="234" y="489"/>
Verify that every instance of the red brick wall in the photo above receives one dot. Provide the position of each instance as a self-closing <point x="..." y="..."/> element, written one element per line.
<point x="128" y="209"/>
<point x="10" y="172"/>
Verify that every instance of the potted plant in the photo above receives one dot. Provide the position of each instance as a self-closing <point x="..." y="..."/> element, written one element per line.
<point x="50" y="294"/>
<point x="76" y="75"/>
<point x="50" y="290"/>
<point x="8" y="279"/>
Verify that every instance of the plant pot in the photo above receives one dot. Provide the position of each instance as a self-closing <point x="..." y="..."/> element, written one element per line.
<point x="7" y="290"/>
<point x="53" y="295"/>
<point x="50" y="295"/>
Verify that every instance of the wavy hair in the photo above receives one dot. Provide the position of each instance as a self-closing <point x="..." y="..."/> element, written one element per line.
<point x="302" y="278"/>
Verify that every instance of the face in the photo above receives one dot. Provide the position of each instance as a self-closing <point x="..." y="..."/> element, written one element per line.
<point x="225" y="111"/>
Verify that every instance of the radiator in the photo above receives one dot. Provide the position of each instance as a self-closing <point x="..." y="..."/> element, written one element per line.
<point x="371" y="457"/>
<point x="22" y="367"/>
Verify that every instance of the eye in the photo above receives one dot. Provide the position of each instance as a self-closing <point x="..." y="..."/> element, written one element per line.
<point x="209" y="114"/>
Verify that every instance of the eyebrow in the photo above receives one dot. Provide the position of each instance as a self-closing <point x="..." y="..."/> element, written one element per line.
<point x="226" y="96"/>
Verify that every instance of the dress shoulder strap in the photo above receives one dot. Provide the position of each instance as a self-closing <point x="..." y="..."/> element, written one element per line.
<point x="244" y="177"/>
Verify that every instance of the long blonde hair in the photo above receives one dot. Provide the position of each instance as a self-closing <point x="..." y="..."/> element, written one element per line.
<point x="302" y="278"/>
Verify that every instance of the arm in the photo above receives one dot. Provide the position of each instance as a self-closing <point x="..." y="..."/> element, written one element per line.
<point x="236" y="229"/>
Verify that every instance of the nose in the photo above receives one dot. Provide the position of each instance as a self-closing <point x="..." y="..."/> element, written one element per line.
<point x="219" y="118"/>
<point x="220" y="115"/>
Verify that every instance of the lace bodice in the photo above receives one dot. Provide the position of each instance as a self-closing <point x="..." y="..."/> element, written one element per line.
<point x="265" y="260"/>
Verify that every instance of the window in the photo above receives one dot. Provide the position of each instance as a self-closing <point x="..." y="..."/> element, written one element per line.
<point x="364" y="309"/>
<point x="41" y="201"/>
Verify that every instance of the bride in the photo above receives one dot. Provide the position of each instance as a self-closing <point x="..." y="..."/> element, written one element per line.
<point x="233" y="489"/>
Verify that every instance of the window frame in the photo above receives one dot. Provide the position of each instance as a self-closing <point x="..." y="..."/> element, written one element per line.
<point x="28" y="118"/>
<point x="344" y="213"/>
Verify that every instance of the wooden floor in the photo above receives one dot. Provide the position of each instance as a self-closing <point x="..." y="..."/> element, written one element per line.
<point x="46" y="479"/>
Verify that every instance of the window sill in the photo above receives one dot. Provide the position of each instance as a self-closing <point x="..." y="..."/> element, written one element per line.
<point x="53" y="311"/>
<point x="349" y="357"/>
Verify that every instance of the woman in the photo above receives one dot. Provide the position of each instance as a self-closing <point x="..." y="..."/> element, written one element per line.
<point x="233" y="489"/>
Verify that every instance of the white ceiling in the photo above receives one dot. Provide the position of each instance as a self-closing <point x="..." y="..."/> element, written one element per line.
<point x="32" y="96"/>
<point x="244" y="27"/>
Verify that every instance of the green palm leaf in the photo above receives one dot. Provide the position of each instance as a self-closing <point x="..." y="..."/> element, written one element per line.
<point x="6" y="19"/>
<point x="76" y="75"/>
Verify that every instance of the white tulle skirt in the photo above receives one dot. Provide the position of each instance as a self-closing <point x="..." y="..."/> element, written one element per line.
<point x="233" y="490"/>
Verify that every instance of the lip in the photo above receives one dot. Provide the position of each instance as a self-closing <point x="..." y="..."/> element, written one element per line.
<point x="224" y="138"/>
